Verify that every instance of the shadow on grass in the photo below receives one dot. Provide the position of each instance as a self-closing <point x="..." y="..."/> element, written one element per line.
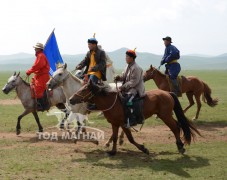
<point x="165" y="162"/>
<point x="211" y="125"/>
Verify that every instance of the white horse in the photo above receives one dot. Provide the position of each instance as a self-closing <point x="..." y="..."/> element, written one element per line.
<point x="23" y="91"/>
<point x="70" y="84"/>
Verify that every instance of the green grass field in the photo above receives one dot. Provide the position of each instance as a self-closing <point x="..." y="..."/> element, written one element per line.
<point x="25" y="157"/>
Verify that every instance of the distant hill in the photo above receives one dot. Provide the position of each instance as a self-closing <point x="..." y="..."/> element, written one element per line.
<point x="23" y="61"/>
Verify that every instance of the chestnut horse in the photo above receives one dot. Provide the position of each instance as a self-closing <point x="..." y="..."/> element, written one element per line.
<point x="157" y="102"/>
<point x="191" y="85"/>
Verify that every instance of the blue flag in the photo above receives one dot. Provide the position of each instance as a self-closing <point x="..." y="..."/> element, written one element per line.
<point x="52" y="53"/>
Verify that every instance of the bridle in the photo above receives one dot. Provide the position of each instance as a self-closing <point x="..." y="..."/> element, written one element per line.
<point x="58" y="82"/>
<point x="90" y="95"/>
<point x="151" y="73"/>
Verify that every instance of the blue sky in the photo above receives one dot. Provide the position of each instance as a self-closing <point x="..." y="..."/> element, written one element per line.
<point x="196" y="26"/>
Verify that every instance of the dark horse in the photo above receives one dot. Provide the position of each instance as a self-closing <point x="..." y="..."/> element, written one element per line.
<point x="191" y="85"/>
<point x="157" y="102"/>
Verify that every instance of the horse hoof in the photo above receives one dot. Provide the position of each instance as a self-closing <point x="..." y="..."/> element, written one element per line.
<point x="145" y="150"/>
<point x="181" y="151"/>
<point x="121" y="142"/>
<point x="18" y="131"/>
<point x="193" y="119"/>
<point x="111" y="153"/>
<point x="96" y="142"/>
<point x="107" y="145"/>
<point x="75" y="141"/>
<point x="62" y="126"/>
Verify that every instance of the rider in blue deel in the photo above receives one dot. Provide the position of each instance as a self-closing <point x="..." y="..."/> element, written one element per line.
<point x="170" y="59"/>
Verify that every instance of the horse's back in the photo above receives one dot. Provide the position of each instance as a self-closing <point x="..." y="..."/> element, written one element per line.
<point x="157" y="101"/>
<point x="191" y="83"/>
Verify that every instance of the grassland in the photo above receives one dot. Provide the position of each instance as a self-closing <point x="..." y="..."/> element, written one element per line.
<point x="26" y="157"/>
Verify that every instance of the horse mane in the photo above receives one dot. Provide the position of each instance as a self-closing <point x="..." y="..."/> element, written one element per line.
<point x="161" y="74"/>
<point x="103" y="90"/>
<point x="26" y="83"/>
<point x="76" y="78"/>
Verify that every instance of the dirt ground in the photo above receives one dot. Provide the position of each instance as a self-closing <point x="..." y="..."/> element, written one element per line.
<point x="10" y="101"/>
<point x="153" y="135"/>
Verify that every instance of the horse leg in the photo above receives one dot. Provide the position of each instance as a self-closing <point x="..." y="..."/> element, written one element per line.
<point x="175" y="128"/>
<point x="107" y="144"/>
<point x="198" y="102"/>
<point x="37" y="121"/>
<point x="131" y="140"/>
<point x="115" y="137"/>
<point x="190" y="99"/>
<point x="18" y="127"/>
<point x="121" y="140"/>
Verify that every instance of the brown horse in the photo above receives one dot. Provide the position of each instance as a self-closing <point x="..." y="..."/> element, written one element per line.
<point x="157" y="102"/>
<point x="191" y="85"/>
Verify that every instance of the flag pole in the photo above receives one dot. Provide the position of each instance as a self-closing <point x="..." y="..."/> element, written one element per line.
<point x="49" y="37"/>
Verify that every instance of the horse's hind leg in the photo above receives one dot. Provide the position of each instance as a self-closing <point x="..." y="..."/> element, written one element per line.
<point x="131" y="140"/>
<point x="18" y="127"/>
<point x="175" y="128"/>
<point x="37" y="121"/>
<point x="121" y="140"/>
<point x="198" y="102"/>
<point x="190" y="99"/>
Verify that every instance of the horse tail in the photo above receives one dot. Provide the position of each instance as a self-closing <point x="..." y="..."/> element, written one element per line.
<point x="207" y="96"/>
<point x="187" y="126"/>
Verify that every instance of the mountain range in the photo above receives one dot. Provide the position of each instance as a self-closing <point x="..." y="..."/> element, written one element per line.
<point x="23" y="61"/>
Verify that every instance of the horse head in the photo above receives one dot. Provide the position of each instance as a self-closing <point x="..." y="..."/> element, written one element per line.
<point x="12" y="83"/>
<point x="59" y="76"/>
<point x="149" y="74"/>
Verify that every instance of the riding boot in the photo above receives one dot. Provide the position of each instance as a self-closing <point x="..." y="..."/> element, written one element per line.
<point x="130" y="115"/>
<point x="40" y="104"/>
<point x="175" y="87"/>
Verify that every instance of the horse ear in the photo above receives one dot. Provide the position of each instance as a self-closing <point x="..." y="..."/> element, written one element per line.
<point x="65" y="66"/>
<point x="151" y="66"/>
<point x="18" y="74"/>
<point x="14" y="74"/>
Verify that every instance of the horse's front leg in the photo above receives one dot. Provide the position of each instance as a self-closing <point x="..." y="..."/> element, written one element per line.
<point x="131" y="140"/>
<point x="107" y="144"/>
<point x="18" y="127"/>
<point x="114" y="136"/>
<point x="37" y="121"/>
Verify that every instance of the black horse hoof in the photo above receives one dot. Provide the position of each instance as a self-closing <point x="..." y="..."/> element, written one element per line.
<point x="111" y="153"/>
<point x="75" y="140"/>
<point x="181" y="151"/>
<point x="62" y="126"/>
<point x="145" y="150"/>
<point x="18" y="131"/>
<point x="121" y="142"/>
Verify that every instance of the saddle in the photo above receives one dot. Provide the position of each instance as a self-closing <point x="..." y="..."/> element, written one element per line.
<point x="133" y="111"/>
<point x="43" y="103"/>
<point x="171" y="86"/>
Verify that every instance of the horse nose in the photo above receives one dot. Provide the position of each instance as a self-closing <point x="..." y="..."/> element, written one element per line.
<point x="4" y="90"/>
<point x="71" y="101"/>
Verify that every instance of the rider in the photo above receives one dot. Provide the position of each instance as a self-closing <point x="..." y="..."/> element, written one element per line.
<point x="170" y="58"/>
<point x="41" y="69"/>
<point x="95" y="62"/>
<point x="132" y="86"/>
